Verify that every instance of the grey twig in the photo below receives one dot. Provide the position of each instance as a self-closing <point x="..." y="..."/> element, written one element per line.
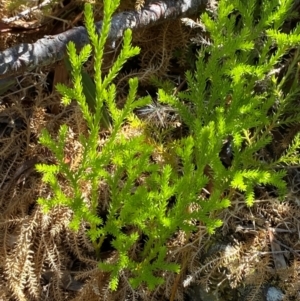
<point x="26" y="12"/>
<point x="48" y="50"/>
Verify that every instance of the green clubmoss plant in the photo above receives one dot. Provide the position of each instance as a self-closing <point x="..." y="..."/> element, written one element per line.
<point x="235" y="98"/>
<point x="226" y="100"/>
<point x="142" y="208"/>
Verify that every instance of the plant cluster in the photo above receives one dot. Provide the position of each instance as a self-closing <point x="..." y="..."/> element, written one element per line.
<point x="234" y="101"/>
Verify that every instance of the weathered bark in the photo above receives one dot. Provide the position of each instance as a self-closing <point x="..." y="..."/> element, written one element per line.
<point x="46" y="51"/>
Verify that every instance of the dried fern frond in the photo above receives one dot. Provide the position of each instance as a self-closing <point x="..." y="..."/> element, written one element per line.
<point x="139" y="4"/>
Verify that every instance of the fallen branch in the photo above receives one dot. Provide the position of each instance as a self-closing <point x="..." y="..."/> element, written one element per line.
<point x="50" y="49"/>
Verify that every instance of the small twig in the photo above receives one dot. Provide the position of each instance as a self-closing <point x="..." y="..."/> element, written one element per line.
<point x="177" y="279"/>
<point x="275" y="252"/>
<point x="287" y="167"/>
<point x="178" y="89"/>
<point x="26" y="12"/>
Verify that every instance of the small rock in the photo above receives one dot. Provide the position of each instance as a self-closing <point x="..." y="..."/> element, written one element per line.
<point x="274" y="294"/>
